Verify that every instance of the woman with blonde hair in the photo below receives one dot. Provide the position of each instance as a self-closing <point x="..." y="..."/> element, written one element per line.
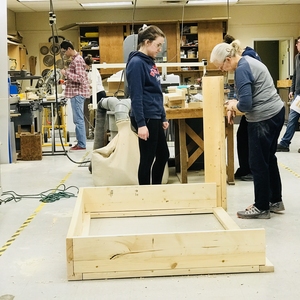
<point x="264" y="112"/>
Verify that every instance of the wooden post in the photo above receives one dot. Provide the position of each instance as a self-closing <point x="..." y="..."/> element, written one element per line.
<point x="214" y="133"/>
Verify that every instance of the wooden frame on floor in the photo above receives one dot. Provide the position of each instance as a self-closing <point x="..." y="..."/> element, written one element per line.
<point x="230" y="250"/>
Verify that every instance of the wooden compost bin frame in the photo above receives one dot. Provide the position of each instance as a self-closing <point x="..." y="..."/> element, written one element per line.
<point x="232" y="250"/>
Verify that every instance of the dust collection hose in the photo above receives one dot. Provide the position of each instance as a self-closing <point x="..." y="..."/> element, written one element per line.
<point x="121" y="109"/>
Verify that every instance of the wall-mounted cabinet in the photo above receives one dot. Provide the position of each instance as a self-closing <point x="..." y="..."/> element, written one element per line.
<point x="89" y="41"/>
<point x="210" y="33"/>
<point x="111" y="39"/>
<point x="190" y="41"/>
<point x="198" y="39"/>
<point x="17" y="54"/>
<point x="189" y="44"/>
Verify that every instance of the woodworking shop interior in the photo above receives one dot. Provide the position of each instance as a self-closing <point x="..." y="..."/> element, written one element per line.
<point x="77" y="224"/>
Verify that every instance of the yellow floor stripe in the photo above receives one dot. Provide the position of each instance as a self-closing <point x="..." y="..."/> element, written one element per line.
<point x="29" y="219"/>
<point x="289" y="169"/>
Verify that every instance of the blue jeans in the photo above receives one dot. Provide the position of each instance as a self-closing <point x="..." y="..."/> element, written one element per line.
<point x="263" y="138"/>
<point x="77" y="104"/>
<point x="290" y="128"/>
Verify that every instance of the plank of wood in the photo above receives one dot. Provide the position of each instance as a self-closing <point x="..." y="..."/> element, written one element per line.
<point x="149" y="198"/>
<point x="183" y="151"/>
<point x="172" y="272"/>
<point x="157" y="251"/>
<point x="86" y="224"/>
<point x="224" y="219"/>
<point x="183" y="113"/>
<point x="267" y="268"/>
<point x="148" y="213"/>
<point x="70" y="261"/>
<point x="214" y="133"/>
<point x="76" y="225"/>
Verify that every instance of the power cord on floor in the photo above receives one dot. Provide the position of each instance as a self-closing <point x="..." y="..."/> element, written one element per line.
<point x="48" y="196"/>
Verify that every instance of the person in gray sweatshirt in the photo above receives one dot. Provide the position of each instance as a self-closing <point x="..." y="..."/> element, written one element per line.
<point x="264" y="112"/>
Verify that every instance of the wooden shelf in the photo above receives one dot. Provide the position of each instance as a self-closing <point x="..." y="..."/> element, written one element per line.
<point x="189" y="59"/>
<point x="111" y="39"/>
<point x="188" y="46"/>
<point x="83" y="30"/>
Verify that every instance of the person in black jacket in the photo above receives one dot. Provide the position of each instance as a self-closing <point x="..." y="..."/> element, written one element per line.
<point x="148" y="116"/>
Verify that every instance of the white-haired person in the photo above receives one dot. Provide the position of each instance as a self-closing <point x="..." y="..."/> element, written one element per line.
<point x="257" y="97"/>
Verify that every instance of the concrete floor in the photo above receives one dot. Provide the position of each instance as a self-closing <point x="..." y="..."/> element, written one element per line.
<point x="32" y="240"/>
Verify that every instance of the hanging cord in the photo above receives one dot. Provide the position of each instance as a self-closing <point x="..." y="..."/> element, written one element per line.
<point x="227" y="14"/>
<point x="181" y="30"/>
<point x="52" y="22"/>
<point x="182" y="18"/>
<point x="133" y="16"/>
<point x="119" y="85"/>
<point x="48" y="196"/>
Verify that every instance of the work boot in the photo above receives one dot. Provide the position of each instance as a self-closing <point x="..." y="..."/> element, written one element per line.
<point x="281" y="148"/>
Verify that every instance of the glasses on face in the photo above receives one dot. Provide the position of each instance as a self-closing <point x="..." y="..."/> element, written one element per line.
<point x="158" y="46"/>
<point x="222" y="66"/>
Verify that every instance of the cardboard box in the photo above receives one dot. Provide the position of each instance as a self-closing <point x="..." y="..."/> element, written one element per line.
<point x="30" y="146"/>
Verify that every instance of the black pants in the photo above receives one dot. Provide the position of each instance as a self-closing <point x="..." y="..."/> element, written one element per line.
<point x="242" y="148"/>
<point x="263" y="138"/>
<point x="100" y="95"/>
<point x="154" y="154"/>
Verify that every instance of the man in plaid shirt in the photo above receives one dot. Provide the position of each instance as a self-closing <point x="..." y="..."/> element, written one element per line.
<point x="77" y="89"/>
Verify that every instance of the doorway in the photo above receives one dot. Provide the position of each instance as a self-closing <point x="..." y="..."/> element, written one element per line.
<point x="277" y="55"/>
<point x="269" y="54"/>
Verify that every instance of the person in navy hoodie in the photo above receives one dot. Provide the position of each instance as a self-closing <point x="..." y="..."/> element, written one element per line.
<point x="147" y="114"/>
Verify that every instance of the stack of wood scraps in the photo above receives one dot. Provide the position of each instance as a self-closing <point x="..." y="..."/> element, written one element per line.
<point x="175" y="98"/>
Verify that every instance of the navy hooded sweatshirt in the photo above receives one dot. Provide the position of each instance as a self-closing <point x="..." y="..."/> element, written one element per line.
<point x="144" y="88"/>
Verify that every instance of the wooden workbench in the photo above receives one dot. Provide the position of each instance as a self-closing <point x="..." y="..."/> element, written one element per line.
<point x="184" y="160"/>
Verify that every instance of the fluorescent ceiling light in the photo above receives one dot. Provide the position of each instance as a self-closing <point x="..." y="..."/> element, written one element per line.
<point x="191" y="2"/>
<point x="106" y="4"/>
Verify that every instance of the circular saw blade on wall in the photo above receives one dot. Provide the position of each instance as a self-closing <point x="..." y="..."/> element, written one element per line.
<point x="55" y="49"/>
<point x="48" y="60"/>
<point x="46" y="57"/>
<point x="44" y="50"/>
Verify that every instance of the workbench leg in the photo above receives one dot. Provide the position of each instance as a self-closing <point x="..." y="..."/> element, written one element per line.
<point x="230" y="154"/>
<point x="176" y="147"/>
<point x="182" y="151"/>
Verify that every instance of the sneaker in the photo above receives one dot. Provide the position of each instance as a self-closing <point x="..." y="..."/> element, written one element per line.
<point x="76" y="148"/>
<point x="276" y="207"/>
<point x="281" y="148"/>
<point x="248" y="177"/>
<point x="252" y="212"/>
